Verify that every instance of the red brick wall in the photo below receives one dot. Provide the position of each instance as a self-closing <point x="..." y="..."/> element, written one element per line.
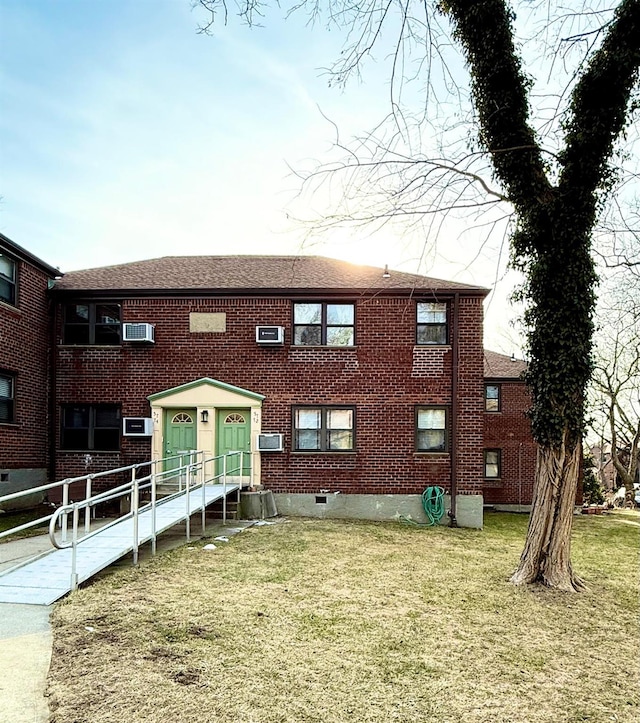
<point x="385" y="376"/>
<point x="510" y="431"/>
<point x="24" y="344"/>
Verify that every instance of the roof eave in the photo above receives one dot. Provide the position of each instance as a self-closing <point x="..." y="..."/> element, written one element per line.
<point x="271" y="292"/>
<point x="24" y="255"/>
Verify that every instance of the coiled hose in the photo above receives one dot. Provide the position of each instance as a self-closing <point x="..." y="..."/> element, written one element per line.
<point x="433" y="506"/>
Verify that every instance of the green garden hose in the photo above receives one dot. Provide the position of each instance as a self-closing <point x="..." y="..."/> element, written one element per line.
<point x="433" y="506"/>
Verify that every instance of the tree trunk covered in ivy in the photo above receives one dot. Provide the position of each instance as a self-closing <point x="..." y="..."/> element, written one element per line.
<point x="552" y="244"/>
<point x="555" y="202"/>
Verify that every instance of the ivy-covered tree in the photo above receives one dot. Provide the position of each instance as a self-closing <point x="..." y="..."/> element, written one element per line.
<point x="555" y="196"/>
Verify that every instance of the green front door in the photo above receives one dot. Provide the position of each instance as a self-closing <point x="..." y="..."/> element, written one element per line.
<point x="233" y="434"/>
<point x="179" y="436"/>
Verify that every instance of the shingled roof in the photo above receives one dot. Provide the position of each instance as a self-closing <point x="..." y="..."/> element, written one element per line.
<point x="500" y="366"/>
<point x="244" y="273"/>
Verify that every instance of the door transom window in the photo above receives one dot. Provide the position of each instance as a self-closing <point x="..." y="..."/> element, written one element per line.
<point x="182" y="418"/>
<point x="234" y="419"/>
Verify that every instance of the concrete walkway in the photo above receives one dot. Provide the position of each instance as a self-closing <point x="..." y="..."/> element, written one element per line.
<point x="25" y="644"/>
<point x="25" y="631"/>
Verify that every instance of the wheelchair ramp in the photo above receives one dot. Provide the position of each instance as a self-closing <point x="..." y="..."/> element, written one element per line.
<point x="46" y="578"/>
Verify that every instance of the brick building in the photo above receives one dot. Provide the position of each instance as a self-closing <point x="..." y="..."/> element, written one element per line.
<point x="25" y="332"/>
<point x="376" y="387"/>
<point x="368" y="383"/>
<point x="509" y="449"/>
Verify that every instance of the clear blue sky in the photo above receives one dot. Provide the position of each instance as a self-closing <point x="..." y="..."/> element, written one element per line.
<point x="125" y="135"/>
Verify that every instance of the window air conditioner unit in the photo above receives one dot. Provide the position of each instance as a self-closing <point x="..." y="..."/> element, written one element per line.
<point x="138" y="332"/>
<point x="137" y="426"/>
<point x="270" y="335"/>
<point x="270" y="443"/>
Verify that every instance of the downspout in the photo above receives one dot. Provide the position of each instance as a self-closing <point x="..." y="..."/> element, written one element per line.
<point x="51" y="386"/>
<point x="454" y="411"/>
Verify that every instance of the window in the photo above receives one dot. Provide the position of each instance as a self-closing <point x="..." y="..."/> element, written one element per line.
<point x="491" y="398"/>
<point x="432" y="323"/>
<point x="492" y="463"/>
<point x="7" y="280"/>
<point x="323" y="429"/>
<point x="323" y="324"/>
<point x="89" y="323"/>
<point x="91" y="427"/>
<point x="7" y="397"/>
<point x="431" y="429"/>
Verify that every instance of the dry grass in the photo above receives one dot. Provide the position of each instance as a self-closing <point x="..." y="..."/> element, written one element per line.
<point x="346" y="621"/>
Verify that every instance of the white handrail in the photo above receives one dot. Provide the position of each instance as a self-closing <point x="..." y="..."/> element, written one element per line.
<point x="195" y="475"/>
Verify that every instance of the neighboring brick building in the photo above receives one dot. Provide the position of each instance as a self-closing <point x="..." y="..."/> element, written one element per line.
<point x="24" y="367"/>
<point x="509" y="449"/>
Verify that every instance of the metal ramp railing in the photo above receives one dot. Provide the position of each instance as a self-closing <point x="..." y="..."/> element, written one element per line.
<point x="76" y="557"/>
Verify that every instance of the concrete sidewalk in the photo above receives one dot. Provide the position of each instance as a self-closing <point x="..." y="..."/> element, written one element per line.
<point x="25" y="652"/>
<point x="25" y="644"/>
<point x="25" y="631"/>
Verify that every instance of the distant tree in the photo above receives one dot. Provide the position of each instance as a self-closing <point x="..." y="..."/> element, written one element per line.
<point x="616" y="378"/>
<point x="555" y="195"/>
<point x="591" y="487"/>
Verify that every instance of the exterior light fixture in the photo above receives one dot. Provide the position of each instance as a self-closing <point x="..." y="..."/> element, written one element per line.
<point x="204" y="416"/>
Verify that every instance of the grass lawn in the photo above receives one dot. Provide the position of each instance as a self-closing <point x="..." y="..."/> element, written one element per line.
<point x="9" y="520"/>
<point x="328" y="621"/>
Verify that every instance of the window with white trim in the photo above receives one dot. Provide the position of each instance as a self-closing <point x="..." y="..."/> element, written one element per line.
<point x="432" y="433"/>
<point x="324" y="429"/>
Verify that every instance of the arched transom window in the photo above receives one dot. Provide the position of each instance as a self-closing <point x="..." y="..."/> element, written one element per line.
<point x="234" y="418"/>
<point x="182" y="418"/>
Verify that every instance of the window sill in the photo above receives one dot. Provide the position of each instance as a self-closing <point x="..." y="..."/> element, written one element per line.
<point x="421" y="453"/>
<point x="10" y="307"/>
<point x="321" y="346"/>
<point x="16" y="425"/>
<point x="333" y="453"/>
<point x="89" y="346"/>
<point x="88" y="451"/>
<point x="492" y="482"/>
<point x="432" y="346"/>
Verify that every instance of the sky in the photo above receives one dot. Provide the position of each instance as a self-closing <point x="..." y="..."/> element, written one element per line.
<point x="125" y="134"/>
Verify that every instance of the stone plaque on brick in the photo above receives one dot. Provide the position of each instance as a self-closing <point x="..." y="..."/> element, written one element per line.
<point x="207" y="323"/>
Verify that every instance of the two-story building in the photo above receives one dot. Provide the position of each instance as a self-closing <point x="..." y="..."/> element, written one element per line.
<point x="349" y="388"/>
<point x="373" y="379"/>
<point x="25" y="340"/>
<point x="509" y="449"/>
